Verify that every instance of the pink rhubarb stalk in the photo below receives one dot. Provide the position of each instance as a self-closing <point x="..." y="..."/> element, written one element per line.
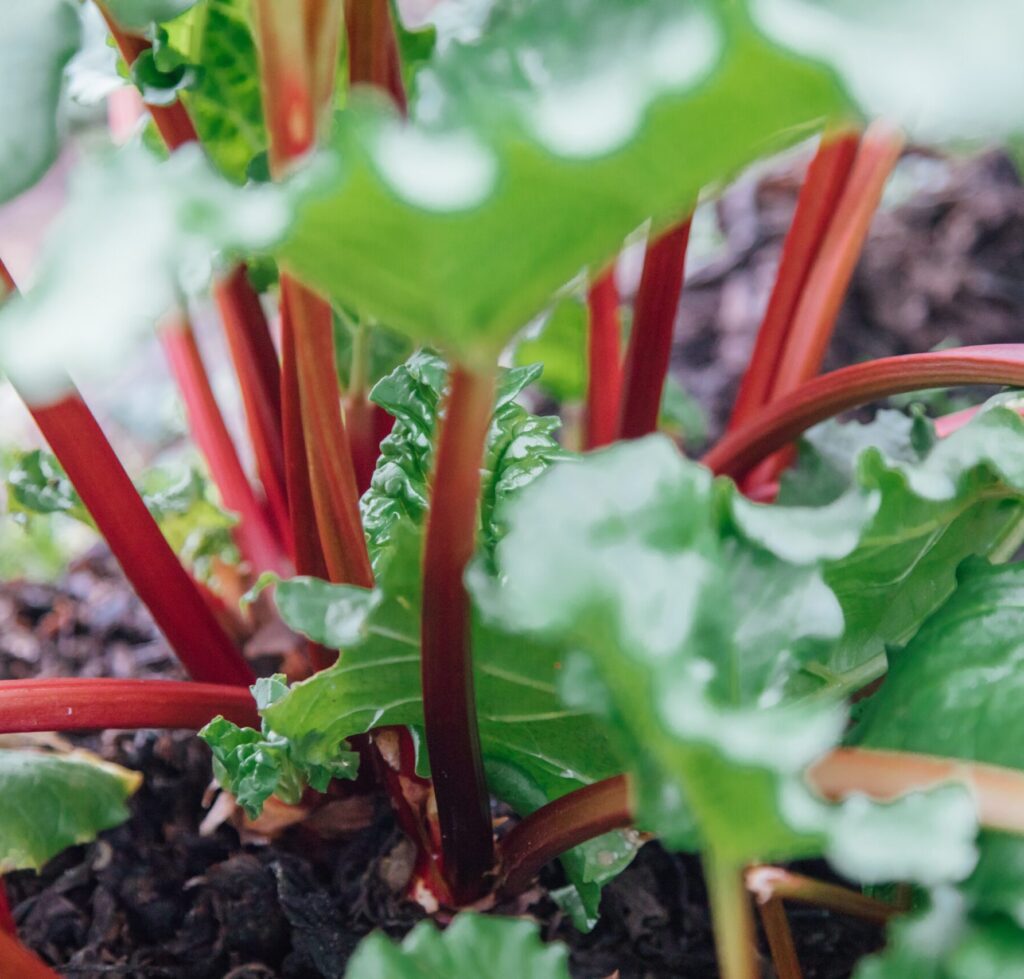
<point x="783" y="420"/>
<point x="826" y="177"/>
<point x="449" y="705"/>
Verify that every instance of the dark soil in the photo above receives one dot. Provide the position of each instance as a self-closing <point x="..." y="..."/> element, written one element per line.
<point x="161" y="899"/>
<point x="157" y="898"/>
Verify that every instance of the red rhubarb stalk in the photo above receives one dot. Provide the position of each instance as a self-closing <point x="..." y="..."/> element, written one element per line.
<point x="146" y="558"/>
<point x="331" y="472"/>
<point x="259" y="380"/>
<point x="156" y="574"/>
<point x="783" y="420"/>
<point x="78" y="704"/>
<point x="449" y="706"/>
<point x="18" y="961"/>
<point x="372" y="60"/>
<point x="559" y="826"/>
<point x="256" y="538"/>
<point x="295" y="65"/>
<point x="826" y="177"/>
<point x="245" y="324"/>
<point x="650" y="342"/>
<point x="815" y="314"/>
<point x="372" y="48"/>
<point x="6" y="918"/>
<point x="604" y="364"/>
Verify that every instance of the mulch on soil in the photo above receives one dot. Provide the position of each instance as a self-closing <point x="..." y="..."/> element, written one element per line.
<point x="158" y="898"/>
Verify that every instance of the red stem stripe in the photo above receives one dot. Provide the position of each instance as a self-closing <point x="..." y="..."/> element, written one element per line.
<point x="86" y="704"/>
<point x="604" y="373"/>
<point x="151" y="566"/>
<point x="826" y="177"/>
<point x="256" y="538"/>
<point x="449" y="706"/>
<point x="650" y="342"/>
<point x="782" y="421"/>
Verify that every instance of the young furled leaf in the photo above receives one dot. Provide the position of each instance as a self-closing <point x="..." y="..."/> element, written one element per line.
<point x="36" y="42"/>
<point x="533" y="152"/>
<point x="253" y="766"/>
<point x="519" y="447"/>
<point x="53" y="801"/>
<point x="688" y="609"/>
<point x="472" y="947"/>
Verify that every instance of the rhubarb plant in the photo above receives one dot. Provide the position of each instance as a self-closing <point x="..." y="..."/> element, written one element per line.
<point x="611" y="642"/>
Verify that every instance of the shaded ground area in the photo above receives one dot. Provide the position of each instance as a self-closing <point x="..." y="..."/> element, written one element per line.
<point x="160" y="899"/>
<point x="944" y="266"/>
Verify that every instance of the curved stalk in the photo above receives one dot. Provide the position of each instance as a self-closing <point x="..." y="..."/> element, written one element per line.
<point x="782" y="421"/>
<point x="650" y="342"/>
<point x="775" y="926"/>
<point x="604" y="363"/>
<point x="819" y="195"/>
<point x="884" y="775"/>
<point x="569" y="821"/>
<point x="449" y="706"/>
<point x="76" y="704"/>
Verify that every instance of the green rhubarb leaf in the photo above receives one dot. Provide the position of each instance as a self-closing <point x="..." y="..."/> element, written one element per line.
<point x="36" y="42"/>
<point x="254" y="765"/>
<point x="472" y="947"/>
<point x="535" y="748"/>
<point x="560" y="344"/>
<point x="687" y="610"/>
<point x="224" y="102"/>
<point x="373" y="350"/>
<point x="197" y="529"/>
<point x="533" y="152"/>
<point x="519" y="447"/>
<point x="941" y="502"/>
<point x="53" y="801"/>
<point x="956" y="688"/>
<point x="152" y="229"/>
<point x="943" y="69"/>
<point x="945" y="943"/>
<point x="138" y="15"/>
